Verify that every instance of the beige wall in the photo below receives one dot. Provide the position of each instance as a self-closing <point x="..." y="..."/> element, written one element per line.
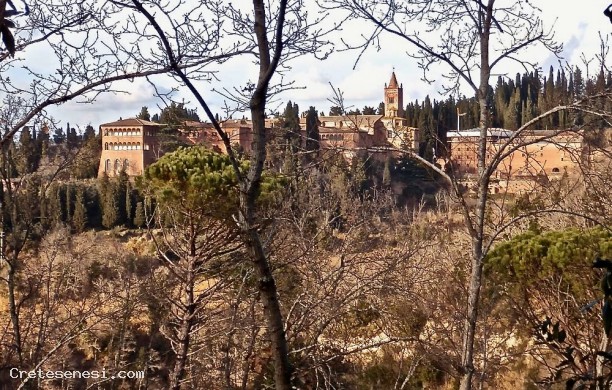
<point x="551" y="157"/>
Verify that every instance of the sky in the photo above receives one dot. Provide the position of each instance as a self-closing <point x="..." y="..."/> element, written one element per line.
<point x="576" y="24"/>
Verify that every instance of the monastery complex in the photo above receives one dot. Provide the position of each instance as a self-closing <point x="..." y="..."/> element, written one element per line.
<point x="133" y="144"/>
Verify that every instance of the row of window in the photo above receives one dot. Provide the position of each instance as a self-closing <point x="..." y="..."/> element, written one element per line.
<point x="332" y="137"/>
<point x="117" y="166"/>
<point x="125" y="132"/>
<point x="124" y="146"/>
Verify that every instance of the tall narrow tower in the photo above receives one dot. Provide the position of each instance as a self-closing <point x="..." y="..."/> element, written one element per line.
<point x="394" y="98"/>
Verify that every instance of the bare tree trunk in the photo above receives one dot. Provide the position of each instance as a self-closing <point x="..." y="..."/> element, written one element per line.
<point x="469" y="331"/>
<point x="267" y="284"/>
<point x="599" y="364"/>
<point x="184" y="333"/>
<point x="13" y="311"/>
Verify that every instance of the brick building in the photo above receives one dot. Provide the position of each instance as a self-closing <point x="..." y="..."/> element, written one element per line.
<point x="539" y="153"/>
<point x="353" y="133"/>
<point x="133" y="143"/>
<point x="130" y="144"/>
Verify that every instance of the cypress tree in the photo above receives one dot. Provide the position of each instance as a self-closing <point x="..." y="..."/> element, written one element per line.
<point x="312" y="130"/>
<point x="386" y="179"/>
<point x="110" y="209"/>
<point x="129" y="204"/>
<point x="69" y="202"/>
<point x="139" y="218"/>
<point x="121" y="197"/>
<point x="79" y="219"/>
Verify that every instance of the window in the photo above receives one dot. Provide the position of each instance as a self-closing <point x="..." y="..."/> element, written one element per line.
<point x="555" y="170"/>
<point x="391" y="99"/>
<point x="107" y="166"/>
<point x="389" y="133"/>
<point x="106" y="146"/>
<point x="146" y="146"/>
<point x="126" y="164"/>
<point x="117" y="166"/>
<point x="105" y="131"/>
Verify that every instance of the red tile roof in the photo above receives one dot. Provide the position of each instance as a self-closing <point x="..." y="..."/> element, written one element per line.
<point x="131" y="122"/>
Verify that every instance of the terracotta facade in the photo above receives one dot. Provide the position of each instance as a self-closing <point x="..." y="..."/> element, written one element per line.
<point x="133" y="143"/>
<point x="544" y="152"/>
<point x="130" y="144"/>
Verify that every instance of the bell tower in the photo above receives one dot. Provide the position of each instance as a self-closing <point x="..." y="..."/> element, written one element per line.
<point x="394" y="98"/>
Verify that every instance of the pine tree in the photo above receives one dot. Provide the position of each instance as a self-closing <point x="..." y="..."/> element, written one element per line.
<point x="59" y="136"/>
<point x="89" y="133"/>
<point x="144" y="114"/>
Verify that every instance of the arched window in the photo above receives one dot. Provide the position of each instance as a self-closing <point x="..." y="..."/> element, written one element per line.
<point x="555" y="170"/>
<point x="117" y="166"/>
<point x="138" y="146"/>
<point x="105" y="131"/>
<point x="106" y="146"/>
<point x="126" y="164"/>
<point x="107" y="166"/>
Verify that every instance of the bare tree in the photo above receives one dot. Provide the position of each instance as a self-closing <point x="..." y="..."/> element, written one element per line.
<point x="469" y="40"/>
<point x="273" y="32"/>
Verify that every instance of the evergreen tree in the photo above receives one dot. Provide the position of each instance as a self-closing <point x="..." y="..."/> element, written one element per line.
<point x="144" y="114"/>
<point x="512" y="115"/>
<point x="42" y="141"/>
<point x="578" y="90"/>
<point x="89" y="133"/>
<point x="291" y="125"/>
<point x="110" y="209"/>
<point x="59" y="136"/>
<point x="335" y="110"/>
<point x="139" y="217"/>
<point x="122" y="187"/>
<point x="129" y="204"/>
<point x="72" y="138"/>
<point x="79" y="219"/>
<point x="367" y="110"/>
<point x="426" y="126"/>
<point x="386" y="179"/>
<point x="312" y="130"/>
<point x="177" y="114"/>
<point x="28" y="157"/>
<point x="69" y="202"/>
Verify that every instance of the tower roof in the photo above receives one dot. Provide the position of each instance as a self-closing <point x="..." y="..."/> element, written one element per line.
<point x="393" y="83"/>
